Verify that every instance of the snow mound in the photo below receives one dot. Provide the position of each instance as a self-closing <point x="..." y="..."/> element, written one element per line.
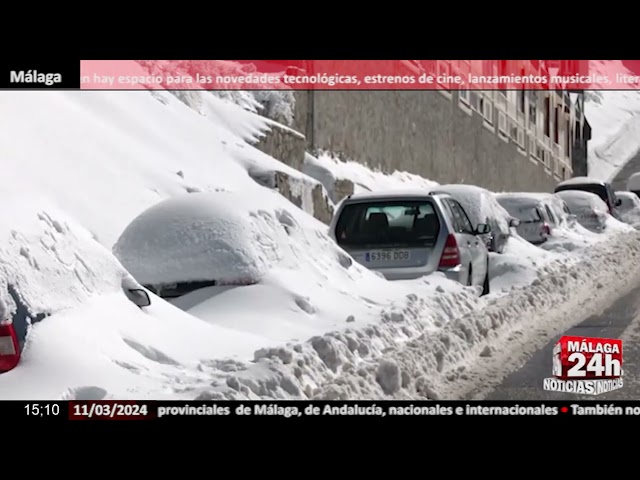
<point x="518" y="265"/>
<point x="48" y="260"/>
<point x="200" y="237"/>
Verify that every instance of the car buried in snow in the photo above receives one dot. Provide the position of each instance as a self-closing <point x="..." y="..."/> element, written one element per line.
<point x="406" y="235"/>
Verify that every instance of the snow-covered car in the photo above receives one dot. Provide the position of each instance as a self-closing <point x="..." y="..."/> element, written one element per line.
<point x="482" y="207"/>
<point x="590" y="211"/>
<point x="559" y="209"/>
<point x="604" y="190"/>
<point x="536" y="220"/>
<point x="195" y="241"/>
<point x="407" y="235"/>
<point x="629" y="208"/>
<point x="633" y="183"/>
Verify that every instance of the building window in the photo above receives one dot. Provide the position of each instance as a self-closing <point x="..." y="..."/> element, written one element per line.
<point x="463" y="94"/>
<point x="533" y="101"/>
<point x="520" y="137"/>
<point x="487" y="110"/>
<point x="474" y="99"/>
<point x="532" y="146"/>
<point x="520" y="101"/>
<point x="547" y="117"/>
<point x="567" y="143"/>
<point x="556" y="124"/>
<point x="502" y="124"/>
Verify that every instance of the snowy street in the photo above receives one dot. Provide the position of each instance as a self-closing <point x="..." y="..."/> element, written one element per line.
<point x="620" y="320"/>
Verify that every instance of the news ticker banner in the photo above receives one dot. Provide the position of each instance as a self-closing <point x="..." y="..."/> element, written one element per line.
<point x="199" y="411"/>
<point x="325" y="75"/>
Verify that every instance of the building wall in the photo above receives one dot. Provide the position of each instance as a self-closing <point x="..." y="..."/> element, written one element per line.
<point x="430" y="133"/>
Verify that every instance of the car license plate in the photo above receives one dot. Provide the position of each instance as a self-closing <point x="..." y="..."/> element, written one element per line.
<point x="388" y="256"/>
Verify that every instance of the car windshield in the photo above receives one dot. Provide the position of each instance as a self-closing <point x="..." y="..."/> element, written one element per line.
<point x="388" y="224"/>
<point x="524" y="211"/>
<point x="599" y="190"/>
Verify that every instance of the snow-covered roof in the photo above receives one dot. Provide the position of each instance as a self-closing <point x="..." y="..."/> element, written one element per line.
<point x="479" y="203"/>
<point x="626" y="194"/>
<point x="388" y="194"/>
<point x="633" y="183"/>
<point x="524" y="195"/>
<point x="197" y="237"/>
<point x="519" y="200"/>
<point x="581" y="199"/>
<point x="581" y="181"/>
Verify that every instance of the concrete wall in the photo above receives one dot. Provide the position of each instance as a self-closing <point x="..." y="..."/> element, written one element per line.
<point x="421" y="132"/>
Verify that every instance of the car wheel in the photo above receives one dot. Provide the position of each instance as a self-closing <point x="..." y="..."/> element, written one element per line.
<point x="485" y="286"/>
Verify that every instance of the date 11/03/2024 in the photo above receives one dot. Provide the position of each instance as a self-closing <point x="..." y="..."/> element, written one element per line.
<point x="90" y="410"/>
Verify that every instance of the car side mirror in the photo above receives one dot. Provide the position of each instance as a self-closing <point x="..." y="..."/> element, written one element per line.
<point x="139" y="297"/>
<point x="618" y="202"/>
<point x="482" y="229"/>
<point x="514" y="222"/>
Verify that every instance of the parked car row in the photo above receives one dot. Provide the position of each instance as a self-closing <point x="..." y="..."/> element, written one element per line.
<point x="452" y="229"/>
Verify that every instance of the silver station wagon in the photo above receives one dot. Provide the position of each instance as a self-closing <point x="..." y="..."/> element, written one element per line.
<point x="406" y="235"/>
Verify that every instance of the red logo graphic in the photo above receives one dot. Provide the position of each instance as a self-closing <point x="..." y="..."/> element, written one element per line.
<point x="587" y="358"/>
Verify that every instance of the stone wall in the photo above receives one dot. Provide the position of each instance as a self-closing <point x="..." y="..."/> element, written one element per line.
<point x="284" y="144"/>
<point x="422" y="132"/>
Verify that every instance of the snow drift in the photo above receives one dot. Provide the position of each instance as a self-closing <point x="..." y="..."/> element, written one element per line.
<point x="615" y="123"/>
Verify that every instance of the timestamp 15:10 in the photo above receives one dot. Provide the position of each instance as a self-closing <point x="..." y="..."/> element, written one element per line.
<point x="42" y="409"/>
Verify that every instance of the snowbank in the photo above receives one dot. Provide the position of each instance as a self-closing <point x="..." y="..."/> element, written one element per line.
<point x="615" y="124"/>
<point x="438" y="348"/>
<point x="327" y="168"/>
<point x="50" y="261"/>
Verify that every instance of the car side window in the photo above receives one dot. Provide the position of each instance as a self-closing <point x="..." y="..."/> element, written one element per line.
<point x="450" y="213"/>
<point x="552" y="217"/>
<point x="463" y="219"/>
<point x="542" y="215"/>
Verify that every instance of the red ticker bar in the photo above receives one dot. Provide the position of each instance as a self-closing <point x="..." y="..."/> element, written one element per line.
<point x="360" y="74"/>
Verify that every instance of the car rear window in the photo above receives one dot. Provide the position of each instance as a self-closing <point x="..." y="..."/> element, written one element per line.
<point x="599" y="190"/>
<point x="522" y="210"/>
<point x="388" y="224"/>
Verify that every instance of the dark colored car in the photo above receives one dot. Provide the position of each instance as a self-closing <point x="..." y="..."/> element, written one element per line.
<point x="602" y="189"/>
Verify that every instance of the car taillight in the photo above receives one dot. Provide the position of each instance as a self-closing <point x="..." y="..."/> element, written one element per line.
<point x="451" y="254"/>
<point x="546" y="230"/>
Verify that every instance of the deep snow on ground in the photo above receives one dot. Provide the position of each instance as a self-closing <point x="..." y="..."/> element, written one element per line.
<point x="78" y="172"/>
<point x="102" y="158"/>
<point x="614" y="117"/>
<point x="421" y="351"/>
